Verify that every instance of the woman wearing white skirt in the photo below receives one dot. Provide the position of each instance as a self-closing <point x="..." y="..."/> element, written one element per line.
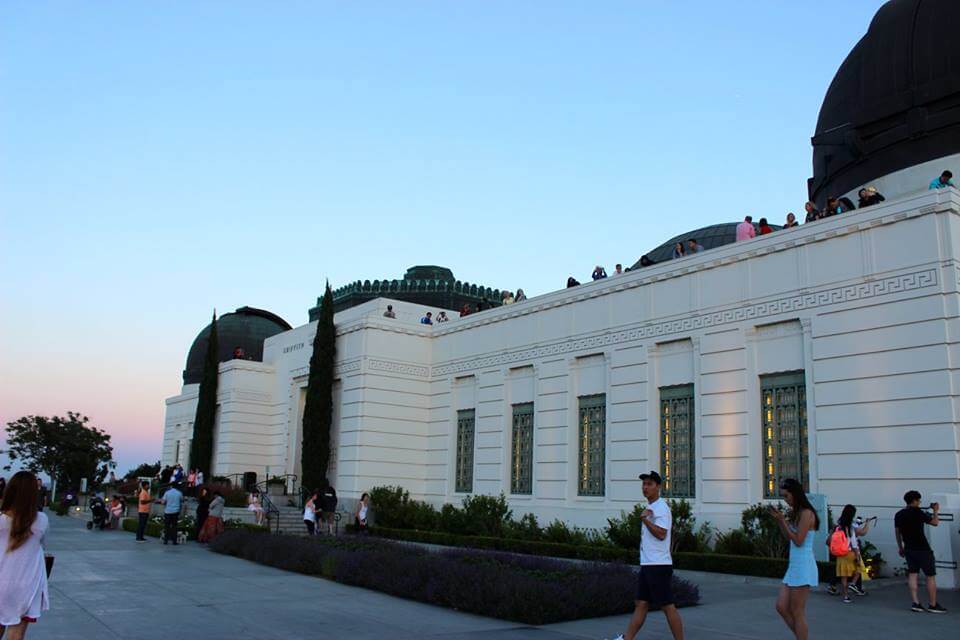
<point x="23" y="575"/>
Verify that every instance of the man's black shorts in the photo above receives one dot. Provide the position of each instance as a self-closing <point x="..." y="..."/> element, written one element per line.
<point x="920" y="560"/>
<point x="654" y="584"/>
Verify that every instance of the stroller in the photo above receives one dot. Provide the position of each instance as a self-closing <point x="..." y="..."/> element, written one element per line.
<point x="99" y="516"/>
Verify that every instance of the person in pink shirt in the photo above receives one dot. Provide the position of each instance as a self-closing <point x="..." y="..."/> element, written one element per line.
<point x="745" y="229"/>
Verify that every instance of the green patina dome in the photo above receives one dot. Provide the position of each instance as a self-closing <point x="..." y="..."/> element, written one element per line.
<point x="429" y="285"/>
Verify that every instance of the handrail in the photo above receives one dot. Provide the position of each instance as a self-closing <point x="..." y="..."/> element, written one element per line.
<point x="269" y="509"/>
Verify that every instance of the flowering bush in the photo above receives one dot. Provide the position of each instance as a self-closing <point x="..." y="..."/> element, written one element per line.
<point x="524" y="589"/>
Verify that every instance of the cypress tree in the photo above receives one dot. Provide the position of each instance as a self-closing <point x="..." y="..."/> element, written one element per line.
<point x="201" y="447"/>
<point x="318" y="408"/>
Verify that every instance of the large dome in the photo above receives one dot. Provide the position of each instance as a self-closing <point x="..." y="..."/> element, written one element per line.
<point x="246" y="328"/>
<point x="894" y="102"/>
<point x="711" y="237"/>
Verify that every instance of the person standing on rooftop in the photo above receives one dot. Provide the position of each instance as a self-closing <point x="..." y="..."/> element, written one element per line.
<point x="599" y="273"/>
<point x="765" y="227"/>
<point x="693" y="246"/>
<point x="678" y="251"/>
<point x="812" y="212"/>
<point x="943" y="181"/>
<point x="791" y="221"/>
<point x="745" y="230"/>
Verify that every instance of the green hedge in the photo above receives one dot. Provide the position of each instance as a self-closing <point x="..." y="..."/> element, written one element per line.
<point x="551" y="549"/>
<point x="713" y="562"/>
<point x="154" y="529"/>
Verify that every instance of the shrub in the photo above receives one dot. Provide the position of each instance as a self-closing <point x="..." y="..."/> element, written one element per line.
<point x="451" y="520"/>
<point x="486" y="515"/>
<point x="734" y="542"/>
<point x="392" y="507"/>
<point x="872" y="558"/>
<point x="527" y="528"/>
<point x="684" y="536"/>
<point x="625" y="530"/>
<point x="762" y="530"/>
<point x="527" y="590"/>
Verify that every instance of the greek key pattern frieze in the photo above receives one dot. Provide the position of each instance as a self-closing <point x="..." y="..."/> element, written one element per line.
<point x="404" y="368"/>
<point x="785" y="305"/>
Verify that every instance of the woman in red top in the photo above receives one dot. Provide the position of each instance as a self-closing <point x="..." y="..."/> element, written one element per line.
<point x="764" y="227"/>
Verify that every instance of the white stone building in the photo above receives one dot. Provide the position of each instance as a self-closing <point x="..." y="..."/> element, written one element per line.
<point x="827" y="352"/>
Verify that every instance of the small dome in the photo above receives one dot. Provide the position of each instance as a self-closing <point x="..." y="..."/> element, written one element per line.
<point x="894" y="102"/>
<point x="711" y="237"/>
<point x="245" y="328"/>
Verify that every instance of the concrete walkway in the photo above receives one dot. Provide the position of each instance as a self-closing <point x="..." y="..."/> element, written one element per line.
<point x="105" y="586"/>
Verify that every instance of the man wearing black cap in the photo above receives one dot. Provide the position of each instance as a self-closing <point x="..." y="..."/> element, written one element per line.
<point x="656" y="563"/>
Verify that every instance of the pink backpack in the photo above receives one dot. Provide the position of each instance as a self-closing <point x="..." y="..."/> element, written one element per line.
<point x="839" y="543"/>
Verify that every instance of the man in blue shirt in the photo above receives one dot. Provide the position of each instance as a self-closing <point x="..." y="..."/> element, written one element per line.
<point x="427" y="319"/>
<point x="172" y="502"/>
<point x="943" y="181"/>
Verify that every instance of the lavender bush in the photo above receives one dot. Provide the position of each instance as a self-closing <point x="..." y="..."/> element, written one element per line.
<point x="525" y="589"/>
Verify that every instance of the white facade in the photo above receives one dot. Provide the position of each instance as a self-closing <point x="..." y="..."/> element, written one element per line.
<point x="865" y="305"/>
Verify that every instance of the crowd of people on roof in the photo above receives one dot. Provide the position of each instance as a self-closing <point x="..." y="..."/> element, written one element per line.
<point x="746" y="230"/>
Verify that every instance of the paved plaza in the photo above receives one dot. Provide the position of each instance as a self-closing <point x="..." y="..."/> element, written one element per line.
<point x="105" y="586"/>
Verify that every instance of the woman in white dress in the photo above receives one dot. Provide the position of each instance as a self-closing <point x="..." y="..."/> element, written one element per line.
<point x="254" y="504"/>
<point x="23" y="575"/>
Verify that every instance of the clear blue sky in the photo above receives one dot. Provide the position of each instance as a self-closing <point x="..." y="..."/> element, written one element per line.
<point x="160" y="159"/>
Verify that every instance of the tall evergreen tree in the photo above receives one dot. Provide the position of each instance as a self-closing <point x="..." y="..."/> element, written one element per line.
<point x="201" y="447"/>
<point x="318" y="409"/>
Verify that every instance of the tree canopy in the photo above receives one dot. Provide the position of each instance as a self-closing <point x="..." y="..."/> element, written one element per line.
<point x="65" y="448"/>
<point x="143" y="470"/>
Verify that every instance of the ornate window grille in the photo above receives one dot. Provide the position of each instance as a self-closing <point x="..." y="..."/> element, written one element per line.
<point x="465" y="435"/>
<point x="783" y="399"/>
<point x="521" y="458"/>
<point x="677" y="459"/>
<point x="593" y="439"/>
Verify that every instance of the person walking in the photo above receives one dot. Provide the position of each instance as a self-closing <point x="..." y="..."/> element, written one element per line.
<point x="861" y="528"/>
<point x="172" y="502"/>
<point x="848" y="563"/>
<point x="797" y="526"/>
<point x="213" y="525"/>
<point x="360" y="516"/>
<point x="116" y="512"/>
<point x="144" y="500"/>
<point x="328" y="508"/>
<point x="915" y="549"/>
<point x="654" y="582"/>
<point x="203" y="508"/>
<point x="23" y="574"/>
<point x="310" y="513"/>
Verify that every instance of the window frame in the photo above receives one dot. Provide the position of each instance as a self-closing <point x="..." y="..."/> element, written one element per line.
<point x="775" y="391"/>
<point x="465" y="449"/>
<point x="591" y="443"/>
<point x="521" y="449"/>
<point x="675" y="439"/>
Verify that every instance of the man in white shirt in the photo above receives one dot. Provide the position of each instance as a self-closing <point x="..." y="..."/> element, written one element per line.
<point x="656" y="563"/>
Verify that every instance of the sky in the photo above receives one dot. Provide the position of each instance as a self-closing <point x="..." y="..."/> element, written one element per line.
<point x="160" y="160"/>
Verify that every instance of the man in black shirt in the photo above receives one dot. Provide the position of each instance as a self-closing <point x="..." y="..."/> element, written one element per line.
<point x="915" y="549"/>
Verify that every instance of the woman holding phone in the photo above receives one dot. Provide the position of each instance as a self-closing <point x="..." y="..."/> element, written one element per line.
<point x="23" y="574"/>
<point x="797" y="526"/>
